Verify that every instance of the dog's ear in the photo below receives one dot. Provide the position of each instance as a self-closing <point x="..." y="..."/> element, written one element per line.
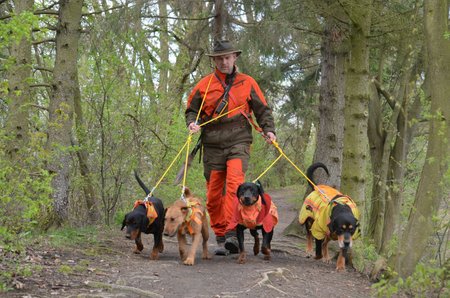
<point x="238" y="190"/>
<point x="260" y="188"/>
<point x="184" y="210"/>
<point x="332" y="226"/>
<point x="124" y="222"/>
<point x="144" y="224"/>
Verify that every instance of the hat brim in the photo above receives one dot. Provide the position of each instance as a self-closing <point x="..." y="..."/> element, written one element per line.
<point x="238" y="52"/>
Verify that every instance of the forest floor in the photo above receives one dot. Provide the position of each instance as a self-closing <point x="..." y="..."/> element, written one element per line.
<point x="107" y="267"/>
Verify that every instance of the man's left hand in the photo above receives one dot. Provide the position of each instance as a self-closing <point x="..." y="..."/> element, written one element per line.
<point x="270" y="137"/>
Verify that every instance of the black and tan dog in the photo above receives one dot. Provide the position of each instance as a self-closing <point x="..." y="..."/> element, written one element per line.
<point x="147" y="217"/>
<point x="254" y="211"/>
<point x="329" y="215"/>
<point x="188" y="217"/>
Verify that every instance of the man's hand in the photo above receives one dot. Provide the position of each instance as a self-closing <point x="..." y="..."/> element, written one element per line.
<point x="193" y="128"/>
<point x="270" y="137"/>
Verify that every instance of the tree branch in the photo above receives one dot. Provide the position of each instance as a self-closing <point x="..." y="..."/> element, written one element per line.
<point x="178" y="18"/>
<point x="102" y="11"/>
<point x="49" y="12"/>
<point x="44" y="41"/>
<point x="386" y="94"/>
<point x="43" y="68"/>
<point x="40" y="85"/>
<point x="39" y="107"/>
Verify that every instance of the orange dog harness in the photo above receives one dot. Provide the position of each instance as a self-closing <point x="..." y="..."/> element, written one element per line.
<point x="190" y="216"/>
<point x="151" y="211"/>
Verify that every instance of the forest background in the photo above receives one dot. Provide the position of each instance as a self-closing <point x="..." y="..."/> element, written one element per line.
<point x="90" y="91"/>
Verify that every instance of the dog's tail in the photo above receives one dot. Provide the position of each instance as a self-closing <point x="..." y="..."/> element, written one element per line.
<point x="312" y="168"/>
<point x="187" y="192"/>
<point x="145" y="188"/>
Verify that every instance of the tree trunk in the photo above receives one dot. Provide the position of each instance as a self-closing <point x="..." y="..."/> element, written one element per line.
<point x="330" y="132"/>
<point x="356" y="104"/>
<point x="218" y="20"/>
<point x="83" y="159"/>
<point x="397" y="159"/>
<point x="19" y="96"/>
<point x="164" y="50"/>
<point x="433" y="179"/>
<point x="61" y="103"/>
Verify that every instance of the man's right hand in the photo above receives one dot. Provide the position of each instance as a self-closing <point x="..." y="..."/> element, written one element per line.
<point x="193" y="128"/>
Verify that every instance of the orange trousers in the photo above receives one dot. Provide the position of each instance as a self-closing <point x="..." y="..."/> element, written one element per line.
<point x="224" y="171"/>
<point x="221" y="192"/>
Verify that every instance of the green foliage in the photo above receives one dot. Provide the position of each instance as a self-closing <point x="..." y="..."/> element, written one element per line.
<point x="18" y="27"/>
<point x="69" y="236"/>
<point x="365" y="254"/>
<point x="447" y="35"/>
<point x="426" y="281"/>
<point x="24" y="192"/>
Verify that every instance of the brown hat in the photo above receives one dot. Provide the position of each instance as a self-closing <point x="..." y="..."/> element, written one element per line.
<point x="223" y="47"/>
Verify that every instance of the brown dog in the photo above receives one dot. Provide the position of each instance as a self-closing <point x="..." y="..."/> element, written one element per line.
<point x="188" y="217"/>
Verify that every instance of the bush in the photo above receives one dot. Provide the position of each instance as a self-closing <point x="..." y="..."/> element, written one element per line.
<point x="25" y="189"/>
<point x="426" y="281"/>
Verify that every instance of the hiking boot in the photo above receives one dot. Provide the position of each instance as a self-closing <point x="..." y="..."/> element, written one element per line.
<point x="231" y="242"/>
<point x="220" y="249"/>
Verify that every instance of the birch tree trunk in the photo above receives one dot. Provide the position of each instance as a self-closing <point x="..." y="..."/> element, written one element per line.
<point x="356" y="103"/>
<point x="61" y="103"/>
<point x="19" y="95"/>
<point x="433" y="183"/>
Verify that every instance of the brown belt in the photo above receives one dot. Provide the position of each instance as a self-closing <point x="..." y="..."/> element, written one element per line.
<point x="227" y="125"/>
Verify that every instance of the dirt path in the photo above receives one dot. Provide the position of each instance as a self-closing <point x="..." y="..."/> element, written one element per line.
<point x="111" y="270"/>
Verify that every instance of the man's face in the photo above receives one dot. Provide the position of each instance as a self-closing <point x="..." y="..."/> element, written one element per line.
<point x="225" y="63"/>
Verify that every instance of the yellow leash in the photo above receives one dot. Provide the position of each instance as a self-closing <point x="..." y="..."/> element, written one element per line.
<point x="268" y="168"/>
<point x="167" y="170"/>
<point x="189" y="139"/>
<point x="221" y="115"/>
<point x="275" y="144"/>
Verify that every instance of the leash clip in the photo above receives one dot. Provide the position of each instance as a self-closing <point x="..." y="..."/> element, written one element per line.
<point x="182" y="197"/>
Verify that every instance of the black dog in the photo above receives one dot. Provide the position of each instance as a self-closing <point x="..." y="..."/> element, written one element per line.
<point x="142" y="220"/>
<point x="329" y="215"/>
<point x="255" y="211"/>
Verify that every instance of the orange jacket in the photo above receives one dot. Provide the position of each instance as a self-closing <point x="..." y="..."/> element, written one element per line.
<point x="260" y="214"/>
<point x="233" y="128"/>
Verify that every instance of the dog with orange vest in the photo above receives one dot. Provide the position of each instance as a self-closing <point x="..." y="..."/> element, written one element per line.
<point x="188" y="217"/>
<point x="147" y="217"/>
<point x="254" y="211"/>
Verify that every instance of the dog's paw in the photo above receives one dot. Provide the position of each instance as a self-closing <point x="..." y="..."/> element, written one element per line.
<point x="340" y="268"/>
<point x="154" y="255"/>
<point x="242" y="258"/>
<point x="326" y="260"/>
<point x="139" y="247"/>
<point x="256" y="249"/>
<point x="189" y="261"/>
<point x="161" y="247"/>
<point x="206" y="256"/>
<point x="266" y="253"/>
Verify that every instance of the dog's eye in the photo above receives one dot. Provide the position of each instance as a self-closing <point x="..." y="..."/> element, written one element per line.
<point x="344" y="227"/>
<point x="350" y="227"/>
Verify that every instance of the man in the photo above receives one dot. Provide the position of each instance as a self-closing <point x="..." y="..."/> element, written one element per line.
<point x="226" y="141"/>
